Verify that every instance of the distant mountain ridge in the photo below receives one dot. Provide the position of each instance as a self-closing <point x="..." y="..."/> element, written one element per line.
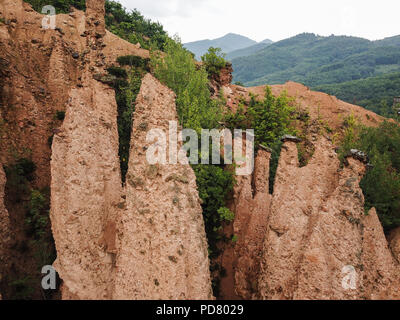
<point x="315" y="60"/>
<point x="249" y="50"/>
<point x="227" y="43"/>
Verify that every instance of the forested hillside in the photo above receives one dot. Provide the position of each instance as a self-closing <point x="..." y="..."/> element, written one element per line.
<point x="315" y="60"/>
<point x="249" y="50"/>
<point x="375" y="93"/>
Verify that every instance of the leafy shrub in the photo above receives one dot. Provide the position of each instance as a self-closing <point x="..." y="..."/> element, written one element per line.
<point x="117" y="72"/>
<point x="22" y="288"/>
<point x="381" y="188"/>
<point x="18" y="177"/>
<point x="214" y="61"/>
<point x="270" y="118"/>
<point x="62" y="6"/>
<point x="381" y="183"/>
<point x="225" y="214"/>
<point x="134" y="61"/>
<point x="179" y="72"/>
<point x="351" y="131"/>
<point x="133" y="27"/>
<point x="215" y="186"/>
<point x="238" y="119"/>
<point x="127" y="86"/>
<point x="37" y="217"/>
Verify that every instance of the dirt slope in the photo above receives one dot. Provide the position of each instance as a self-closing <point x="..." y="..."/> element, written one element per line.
<point x="320" y="106"/>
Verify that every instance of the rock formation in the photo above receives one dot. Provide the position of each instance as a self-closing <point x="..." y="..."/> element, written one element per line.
<point x="52" y="70"/>
<point x="310" y="239"/>
<point x="318" y="242"/>
<point x="251" y="207"/>
<point x="162" y="252"/>
<point x="86" y="190"/>
<point x="394" y="241"/>
<point x="223" y="79"/>
<point x="147" y="242"/>
<point x="163" y="239"/>
<point x="40" y="66"/>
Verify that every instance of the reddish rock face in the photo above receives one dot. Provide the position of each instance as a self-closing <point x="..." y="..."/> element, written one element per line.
<point x="394" y="241"/>
<point x="38" y="70"/>
<point x="224" y="78"/>
<point x="313" y="227"/>
<point x="251" y="206"/>
<point x="56" y="71"/>
<point x="317" y="241"/>
<point x="144" y="242"/>
<point x="86" y="191"/>
<point x="309" y="240"/>
<point x="162" y="252"/>
<point x="95" y="13"/>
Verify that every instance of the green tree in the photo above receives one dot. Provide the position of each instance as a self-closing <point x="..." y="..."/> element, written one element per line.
<point x="178" y="71"/>
<point x="381" y="183"/>
<point x="134" y="27"/>
<point x="214" y="61"/>
<point x="62" y="6"/>
<point x="270" y="117"/>
<point x="196" y="110"/>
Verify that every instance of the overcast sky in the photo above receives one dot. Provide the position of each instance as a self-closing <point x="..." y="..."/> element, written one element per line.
<point x="196" y="20"/>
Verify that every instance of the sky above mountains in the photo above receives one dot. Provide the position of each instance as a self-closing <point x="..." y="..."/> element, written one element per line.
<point x="194" y="20"/>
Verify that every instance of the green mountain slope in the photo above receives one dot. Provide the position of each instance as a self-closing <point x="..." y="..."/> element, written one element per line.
<point x="375" y="94"/>
<point x="249" y="50"/>
<point x="227" y="43"/>
<point x="315" y="60"/>
<point x="392" y="41"/>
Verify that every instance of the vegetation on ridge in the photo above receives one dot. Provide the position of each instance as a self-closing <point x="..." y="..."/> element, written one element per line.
<point x="129" y="25"/>
<point x="375" y="94"/>
<point x="62" y="6"/>
<point x="336" y="65"/>
<point x="36" y="241"/>
<point x="196" y="110"/>
<point x="381" y="183"/>
<point x="271" y="118"/>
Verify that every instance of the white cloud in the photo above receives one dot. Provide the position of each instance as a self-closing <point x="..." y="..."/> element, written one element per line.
<point x="165" y="8"/>
<point x="259" y="19"/>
